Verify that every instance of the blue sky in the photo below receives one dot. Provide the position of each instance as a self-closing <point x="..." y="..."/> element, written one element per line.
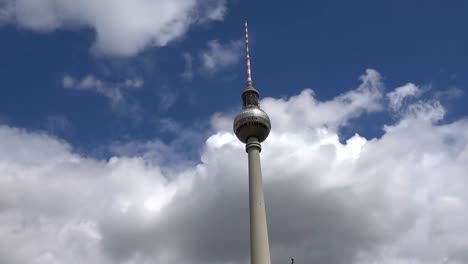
<point x="116" y="142"/>
<point x="318" y="45"/>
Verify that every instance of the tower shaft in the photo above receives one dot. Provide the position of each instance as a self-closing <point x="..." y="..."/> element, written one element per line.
<point x="259" y="245"/>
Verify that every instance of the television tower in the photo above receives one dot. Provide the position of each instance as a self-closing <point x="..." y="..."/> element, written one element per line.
<point x="252" y="126"/>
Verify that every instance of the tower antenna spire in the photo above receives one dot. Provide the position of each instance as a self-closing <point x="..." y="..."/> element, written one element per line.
<point x="247" y="56"/>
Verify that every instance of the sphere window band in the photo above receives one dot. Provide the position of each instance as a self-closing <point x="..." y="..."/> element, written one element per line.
<point x="250" y="99"/>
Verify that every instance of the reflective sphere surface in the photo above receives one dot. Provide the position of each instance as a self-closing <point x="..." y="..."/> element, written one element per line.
<point x="252" y="122"/>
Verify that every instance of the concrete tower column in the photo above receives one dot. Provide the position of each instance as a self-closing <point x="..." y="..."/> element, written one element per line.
<point x="259" y="245"/>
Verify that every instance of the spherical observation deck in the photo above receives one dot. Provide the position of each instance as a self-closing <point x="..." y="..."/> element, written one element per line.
<point x="252" y="122"/>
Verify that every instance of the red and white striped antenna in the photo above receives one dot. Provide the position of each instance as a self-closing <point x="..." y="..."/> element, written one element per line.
<point x="247" y="56"/>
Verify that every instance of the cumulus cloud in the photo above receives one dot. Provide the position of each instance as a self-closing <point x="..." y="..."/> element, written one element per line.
<point x="218" y="56"/>
<point x="400" y="198"/>
<point x="405" y="102"/>
<point x="397" y="96"/>
<point x="91" y="83"/>
<point x="122" y="27"/>
<point x="367" y="98"/>
<point x="215" y="57"/>
<point x="121" y="102"/>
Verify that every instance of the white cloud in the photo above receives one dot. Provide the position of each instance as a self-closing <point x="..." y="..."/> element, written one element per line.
<point x="432" y="111"/>
<point x="307" y="111"/>
<point x="121" y="102"/>
<point x="405" y="102"/>
<point x="91" y="83"/>
<point x="122" y="27"/>
<point x="397" y="96"/>
<point x="218" y="56"/>
<point x="400" y="198"/>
